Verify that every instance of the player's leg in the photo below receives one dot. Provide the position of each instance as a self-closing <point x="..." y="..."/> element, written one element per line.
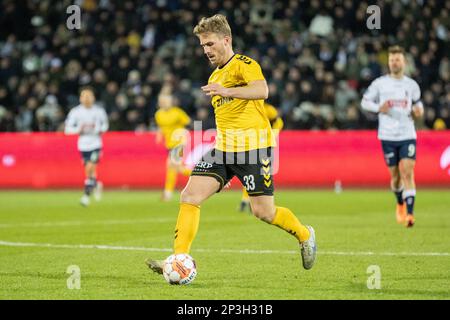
<point x="263" y="207"/>
<point x="91" y="177"/>
<point x="258" y="181"/>
<point x="91" y="174"/>
<point x="171" y="179"/>
<point x="90" y="160"/>
<point x="407" y="162"/>
<point x="397" y="188"/>
<point x="245" y="201"/>
<point x="391" y="151"/>
<point x="409" y="194"/>
<point x="208" y="177"/>
<point x="197" y="190"/>
<point x="89" y="182"/>
<point x="174" y="165"/>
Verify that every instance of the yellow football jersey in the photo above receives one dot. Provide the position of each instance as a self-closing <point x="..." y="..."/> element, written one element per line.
<point x="242" y="125"/>
<point x="272" y="114"/>
<point x="169" y="121"/>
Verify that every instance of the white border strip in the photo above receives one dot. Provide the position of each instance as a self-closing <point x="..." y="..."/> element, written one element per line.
<point x="246" y="251"/>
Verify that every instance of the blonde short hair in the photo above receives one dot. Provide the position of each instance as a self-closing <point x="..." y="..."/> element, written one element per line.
<point x="396" y="49"/>
<point x="216" y="24"/>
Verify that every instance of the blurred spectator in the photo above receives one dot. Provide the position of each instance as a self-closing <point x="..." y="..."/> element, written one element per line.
<point x="26" y="120"/>
<point x="318" y="58"/>
<point x="204" y="115"/>
<point x="49" y="116"/>
<point x="321" y="24"/>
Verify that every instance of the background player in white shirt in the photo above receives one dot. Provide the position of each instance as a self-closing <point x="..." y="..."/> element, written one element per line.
<point x="89" y="122"/>
<point x="396" y="99"/>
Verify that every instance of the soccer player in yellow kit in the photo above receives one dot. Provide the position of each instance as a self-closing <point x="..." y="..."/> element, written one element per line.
<point x="237" y="89"/>
<point x="171" y="121"/>
<point x="277" y="124"/>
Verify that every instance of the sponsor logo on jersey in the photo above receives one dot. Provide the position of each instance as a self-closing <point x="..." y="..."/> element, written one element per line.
<point x="204" y="165"/>
<point x="399" y="103"/>
<point x="221" y="101"/>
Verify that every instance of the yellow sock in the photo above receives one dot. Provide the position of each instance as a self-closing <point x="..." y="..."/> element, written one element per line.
<point x="186" y="228"/>
<point x="186" y="171"/>
<point x="171" y="179"/>
<point x="245" y="196"/>
<point x="286" y="220"/>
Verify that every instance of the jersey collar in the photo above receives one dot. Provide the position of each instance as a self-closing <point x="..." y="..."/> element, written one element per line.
<point x="222" y="66"/>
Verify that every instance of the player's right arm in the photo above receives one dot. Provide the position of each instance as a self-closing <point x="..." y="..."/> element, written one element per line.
<point x="370" y="100"/>
<point x="254" y="90"/>
<point x="256" y="86"/>
<point x="274" y="118"/>
<point x="102" y="123"/>
<point x="72" y="125"/>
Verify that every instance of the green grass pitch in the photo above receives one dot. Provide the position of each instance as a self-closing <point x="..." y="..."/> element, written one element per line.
<point x="238" y="257"/>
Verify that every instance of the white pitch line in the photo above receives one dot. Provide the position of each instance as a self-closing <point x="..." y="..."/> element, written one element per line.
<point x="82" y="223"/>
<point x="76" y="223"/>
<point x="79" y="246"/>
<point x="244" y="251"/>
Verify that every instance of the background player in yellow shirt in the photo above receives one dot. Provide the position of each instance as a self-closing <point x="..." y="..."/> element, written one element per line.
<point x="171" y="121"/>
<point x="237" y="89"/>
<point x="277" y="124"/>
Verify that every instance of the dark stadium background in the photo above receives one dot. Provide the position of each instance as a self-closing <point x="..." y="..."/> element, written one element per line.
<point x="318" y="58"/>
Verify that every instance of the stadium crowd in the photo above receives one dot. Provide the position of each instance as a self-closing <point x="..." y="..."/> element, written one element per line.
<point x="317" y="56"/>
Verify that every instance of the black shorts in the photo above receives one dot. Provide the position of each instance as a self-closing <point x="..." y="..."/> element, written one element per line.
<point x="253" y="168"/>
<point x="394" y="151"/>
<point x="91" y="156"/>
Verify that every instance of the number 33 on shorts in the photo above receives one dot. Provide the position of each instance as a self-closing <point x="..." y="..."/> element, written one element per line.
<point x="249" y="182"/>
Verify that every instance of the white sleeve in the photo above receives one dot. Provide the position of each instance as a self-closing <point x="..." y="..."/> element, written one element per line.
<point x="416" y="96"/>
<point x="71" y="126"/>
<point x="102" y="124"/>
<point x="370" y="100"/>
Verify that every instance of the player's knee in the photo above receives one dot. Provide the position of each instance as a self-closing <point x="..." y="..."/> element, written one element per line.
<point x="263" y="213"/>
<point x="89" y="167"/>
<point x="192" y="197"/>
<point x="407" y="174"/>
<point x="396" y="181"/>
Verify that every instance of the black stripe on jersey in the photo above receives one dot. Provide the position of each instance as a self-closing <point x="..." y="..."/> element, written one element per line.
<point x="227" y="62"/>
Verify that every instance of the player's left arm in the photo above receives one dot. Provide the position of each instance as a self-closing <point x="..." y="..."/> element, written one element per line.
<point x="102" y="124"/>
<point x="417" y="105"/>
<point x="278" y="124"/>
